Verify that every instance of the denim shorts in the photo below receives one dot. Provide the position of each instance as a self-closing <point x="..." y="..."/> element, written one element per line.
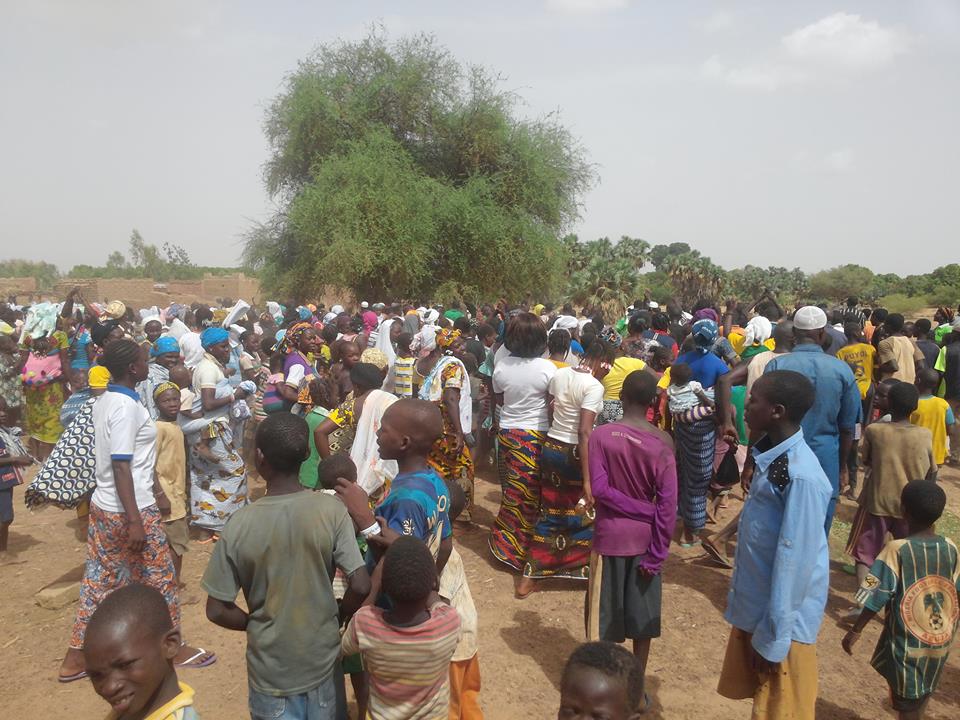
<point x="320" y="703"/>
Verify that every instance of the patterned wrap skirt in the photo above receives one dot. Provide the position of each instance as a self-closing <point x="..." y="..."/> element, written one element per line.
<point x="560" y="544"/>
<point x="42" y="420"/>
<point x="696" y="449"/>
<point x="69" y="474"/>
<point x="111" y="565"/>
<point x="519" y="458"/>
<point x="217" y="489"/>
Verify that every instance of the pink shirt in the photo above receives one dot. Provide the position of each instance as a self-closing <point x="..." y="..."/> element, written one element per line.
<point x="633" y="476"/>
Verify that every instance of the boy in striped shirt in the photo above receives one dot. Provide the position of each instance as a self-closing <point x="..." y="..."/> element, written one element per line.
<point x="916" y="579"/>
<point x="407" y="649"/>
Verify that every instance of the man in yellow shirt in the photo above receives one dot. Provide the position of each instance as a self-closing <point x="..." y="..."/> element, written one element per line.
<point x="933" y="413"/>
<point x="861" y="356"/>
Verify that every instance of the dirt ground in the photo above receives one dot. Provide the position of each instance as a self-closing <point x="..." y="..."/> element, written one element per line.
<point x="523" y="644"/>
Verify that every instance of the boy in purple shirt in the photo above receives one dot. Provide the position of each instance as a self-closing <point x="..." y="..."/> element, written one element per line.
<point x="633" y="477"/>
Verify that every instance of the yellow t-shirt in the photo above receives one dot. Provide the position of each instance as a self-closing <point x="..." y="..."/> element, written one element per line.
<point x="934" y="414"/>
<point x="613" y="382"/>
<point x="171" y="468"/>
<point x="861" y="358"/>
<point x="738" y="341"/>
<point x="179" y="708"/>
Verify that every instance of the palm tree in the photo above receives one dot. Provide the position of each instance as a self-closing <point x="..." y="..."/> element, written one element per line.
<point x="606" y="284"/>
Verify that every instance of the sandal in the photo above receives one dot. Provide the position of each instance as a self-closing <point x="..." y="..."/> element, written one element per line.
<point x="72" y="678"/>
<point x="189" y="662"/>
<point x="206" y="541"/>
<point x="716" y="555"/>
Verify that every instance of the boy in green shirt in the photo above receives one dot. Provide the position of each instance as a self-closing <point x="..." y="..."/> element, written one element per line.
<point x="916" y="579"/>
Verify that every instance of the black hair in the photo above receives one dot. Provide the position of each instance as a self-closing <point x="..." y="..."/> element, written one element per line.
<point x="462" y="324"/>
<point x="788" y="388"/>
<point x="660" y="322"/>
<point x="366" y="375"/>
<point x="140" y="605"/>
<point x="852" y="302"/>
<point x="894" y="322"/>
<point x="923" y="501"/>
<point x="879" y="316"/>
<point x="403" y="341"/>
<point x="680" y="373"/>
<point x="922" y="326"/>
<point x="276" y="362"/>
<point x="409" y="570"/>
<point x="852" y="330"/>
<point x="639" y="388"/>
<point x="333" y="467"/>
<point x="558" y="341"/>
<point x="119" y="356"/>
<point x="928" y="377"/>
<point x="661" y="353"/>
<point x="588" y="335"/>
<point x="284" y="440"/>
<point x="600" y="350"/>
<point x="267" y="345"/>
<point x="485" y="330"/>
<point x="526" y="336"/>
<point x="637" y="323"/>
<point x="202" y="314"/>
<point x="903" y="398"/>
<point x="329" y="333"/>
<point x="613" y="661"/>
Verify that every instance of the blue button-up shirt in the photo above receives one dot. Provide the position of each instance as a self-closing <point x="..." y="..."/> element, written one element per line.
<point x="781" y="571"/>
<point x="836" y="406"/>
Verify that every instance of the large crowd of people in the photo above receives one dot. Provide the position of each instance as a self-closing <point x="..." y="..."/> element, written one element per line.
<point x="612" y="438"/>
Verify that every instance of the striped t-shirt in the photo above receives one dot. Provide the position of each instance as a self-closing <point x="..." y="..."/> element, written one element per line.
<point x="409" y="667"/>
<point x="916" y="579"/>
<point x="403" y="377"/>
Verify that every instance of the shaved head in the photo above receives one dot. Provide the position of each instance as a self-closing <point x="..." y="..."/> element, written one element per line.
<point x="418" y="420"/>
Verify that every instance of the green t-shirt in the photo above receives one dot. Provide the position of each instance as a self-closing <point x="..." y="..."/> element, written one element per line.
<point x="738" y="397"/>
<point x="281" y="551"/>
<point x="453" y="315"/>
<point x="916" y="580"/>
<point x="308" y="470"/>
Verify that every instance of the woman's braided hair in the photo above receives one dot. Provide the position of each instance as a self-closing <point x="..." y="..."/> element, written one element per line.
<point x="119" y="356"/>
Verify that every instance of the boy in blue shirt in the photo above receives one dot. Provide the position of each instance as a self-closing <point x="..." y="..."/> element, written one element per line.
<point x="781" y="572"/>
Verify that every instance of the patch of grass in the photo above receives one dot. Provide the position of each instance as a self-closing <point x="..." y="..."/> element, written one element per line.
<point x="949" y="526"/>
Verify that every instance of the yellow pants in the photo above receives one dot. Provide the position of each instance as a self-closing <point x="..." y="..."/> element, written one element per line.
<point x="465" y="690"/>
<point x="788" y="694"/>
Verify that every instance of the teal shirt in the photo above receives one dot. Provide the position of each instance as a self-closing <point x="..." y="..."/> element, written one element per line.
<point x="308" y="470"/>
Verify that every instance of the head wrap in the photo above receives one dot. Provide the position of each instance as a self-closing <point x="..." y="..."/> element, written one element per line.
<point x="163" y="387"/>
<point x="304" y="313"/>
<point x="447" y="336"/>
<point x="372" y="356"/>
<point x="213" y="336"/>
<point x="704" y="333"/>
<point x="758" y="331"/>
<point x="706" y="314"/>
<point x="565" y="322"/>
<point x="165" y="344"/>
<point x="294" y="333"/>
<point x="431" y="316"/>
<point x="115" y="310"/>
<point x="336" y="309"/>
<point x="5" y="328"/>
<point x="98" y="377"/>
<point x="425" y="341"/>
<point x="610" y="336"/>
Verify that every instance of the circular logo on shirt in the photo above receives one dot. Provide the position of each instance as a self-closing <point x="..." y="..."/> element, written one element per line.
<point x="929" y="610"/>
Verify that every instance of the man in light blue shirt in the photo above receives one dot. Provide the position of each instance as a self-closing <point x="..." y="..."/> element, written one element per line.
<point x="781" y="571"/>
<point x="828" y="426"/>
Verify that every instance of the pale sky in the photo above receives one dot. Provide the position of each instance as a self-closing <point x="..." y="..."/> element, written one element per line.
<point x="810" y="134"/>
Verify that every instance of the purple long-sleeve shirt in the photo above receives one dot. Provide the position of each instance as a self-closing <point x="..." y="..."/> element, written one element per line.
<point x="633" y="477"/>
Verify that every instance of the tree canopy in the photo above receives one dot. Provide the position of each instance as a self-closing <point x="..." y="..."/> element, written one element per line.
<point x="400" y="172"/>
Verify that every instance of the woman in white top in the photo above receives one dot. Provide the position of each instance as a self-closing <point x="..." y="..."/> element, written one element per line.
<point x="520" y="384"/>
<point x="126" y="541"/>
<point x="560" y="545"/>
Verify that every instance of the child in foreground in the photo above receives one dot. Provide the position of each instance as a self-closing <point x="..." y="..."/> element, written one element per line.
<point x="894" y="453"/>
<point x="281" y="552"/>
<point x="171" y="470"/>
<point x="601" y="680"/>
<point x="779" y="587"/>
<point x="633" y="477"/>
<point x="916" y="580"/>
<point x="407" y="649"/>
<point x="129" y="650"/>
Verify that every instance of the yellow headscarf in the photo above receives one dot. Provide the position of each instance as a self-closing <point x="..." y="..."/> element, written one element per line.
<point x="98" y="377"/>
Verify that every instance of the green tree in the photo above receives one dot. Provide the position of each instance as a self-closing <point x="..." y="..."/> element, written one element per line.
<point x="397" y="170"/>
<point x="46" y="274"/>
<point x="693" y="276"/>
<point x="842" y="282"/>
<point x="660" y="253"/>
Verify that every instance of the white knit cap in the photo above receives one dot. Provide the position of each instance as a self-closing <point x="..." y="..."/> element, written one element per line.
<point x="810" y="317"/>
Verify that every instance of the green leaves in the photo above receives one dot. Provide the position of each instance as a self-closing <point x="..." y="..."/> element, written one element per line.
<point x="398" y="170"/>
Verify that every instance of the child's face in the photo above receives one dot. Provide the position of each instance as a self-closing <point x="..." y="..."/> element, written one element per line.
<point x="760" y="414"/>
<point x="881" y="400"/>
<point x="127" y="664"/>
<point x="588" y="694"/>
<point x="168" y="404"/>
<point x="153" y="330"/>
<point x="390" y="438"/>
<point x="351" y="356"/>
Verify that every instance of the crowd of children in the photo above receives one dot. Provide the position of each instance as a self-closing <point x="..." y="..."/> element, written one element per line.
<point x="365" y="431"/>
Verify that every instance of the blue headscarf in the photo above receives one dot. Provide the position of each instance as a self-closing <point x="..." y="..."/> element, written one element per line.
<point x="165" y="344"/>
<point x="304" y="313"/>
<point x="704" y="334"/>
<point x="213" y="336"/>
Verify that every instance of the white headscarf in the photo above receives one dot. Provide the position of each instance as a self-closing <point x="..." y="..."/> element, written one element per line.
<point x="384" y="344"/>
<point x="758" y="331"/>
<point x="425" y="341"/>
<point x="431" y="316"/>
<point x="565" y="322"/>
